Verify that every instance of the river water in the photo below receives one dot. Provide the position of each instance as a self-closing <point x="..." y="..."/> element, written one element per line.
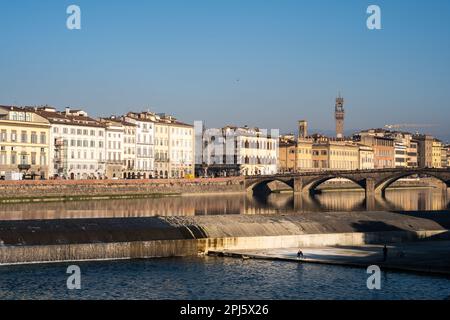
<point x="212" y="277"/>
<point x="402" y="200"/>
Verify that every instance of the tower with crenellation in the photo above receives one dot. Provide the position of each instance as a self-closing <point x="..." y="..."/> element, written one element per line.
<point x="339" y="114"/>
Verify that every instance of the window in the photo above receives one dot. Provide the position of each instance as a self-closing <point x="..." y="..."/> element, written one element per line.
<point x="13" y="158"/>
<point x="33" y="158"/>
<point x="43" y="159"/>
<point x="24" y="137"/>
<point x="3" y="136"/>
<point x="34" y="138"/>
<point x="2" y="158"/>
<point x="23" y="159"/>
<point x="43" y="138"/>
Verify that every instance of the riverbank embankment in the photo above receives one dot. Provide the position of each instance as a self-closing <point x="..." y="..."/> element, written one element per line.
<point x="32" y="241"/>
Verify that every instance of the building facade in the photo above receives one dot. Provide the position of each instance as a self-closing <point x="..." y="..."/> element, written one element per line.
<point x="444" y="157"/>
<point x="287" y="158"/>
<point x="129" y="149"/>
<point x="77" y="144"/>
<point x="114" y="145"/>
<point x="366" y="157"/>
<point x="425" y="150"/>
<point x="181" y="148"/>
<point x="401" y="155"/>
<point x="328" y="154"/>
<point x="383" y="147"/>
<point x="237" y="151"/>
<point x="436" y="159"/>
<point x="24" y="143"/>
<point x="145" y="135"/>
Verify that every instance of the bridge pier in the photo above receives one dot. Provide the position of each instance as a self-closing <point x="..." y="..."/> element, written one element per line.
<point x="298" y="185"/>
<point x="370" y="187"/>
<point x="370" y="202"/>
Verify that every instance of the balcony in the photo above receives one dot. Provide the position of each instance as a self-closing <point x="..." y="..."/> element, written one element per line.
<point x="24" y="167"/>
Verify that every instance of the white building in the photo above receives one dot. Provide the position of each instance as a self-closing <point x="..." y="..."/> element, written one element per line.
<point x="174" y="148"/>
<point x="114" y="144"/>
<point x="77" y="144"/>
<point x="145" y="134"/>
<point x="236" y="151"/>
<point x="366" y="155"/>
<point x="401" y="155"/>
<point x="181" y="149"/>
<point x="129" y="149"/>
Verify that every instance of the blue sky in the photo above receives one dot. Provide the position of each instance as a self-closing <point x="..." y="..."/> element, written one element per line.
<point x="265" y="63"/>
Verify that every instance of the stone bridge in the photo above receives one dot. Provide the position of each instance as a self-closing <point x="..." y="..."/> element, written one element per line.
<point x="372" y="181"/>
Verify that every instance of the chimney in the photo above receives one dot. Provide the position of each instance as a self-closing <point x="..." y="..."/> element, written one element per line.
<point x="67" y="111"/>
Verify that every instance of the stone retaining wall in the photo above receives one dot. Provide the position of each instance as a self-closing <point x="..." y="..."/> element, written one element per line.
<point x="93" y="188"/>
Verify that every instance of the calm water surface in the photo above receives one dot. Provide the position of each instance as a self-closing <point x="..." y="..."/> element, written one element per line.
<point x="213" y="278"/>
<point x="218" y="278"/>
<point x="405" y="200"/>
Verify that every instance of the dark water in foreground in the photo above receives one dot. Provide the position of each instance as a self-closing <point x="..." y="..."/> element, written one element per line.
<point x="213" y="278"/>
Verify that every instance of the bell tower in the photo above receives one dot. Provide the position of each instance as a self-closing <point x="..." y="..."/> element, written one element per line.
<point x="339" y="114"/>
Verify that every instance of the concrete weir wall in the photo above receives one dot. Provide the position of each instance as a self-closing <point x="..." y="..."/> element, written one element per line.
<point x="112" y="239"/>
<point x="10" y="190"/>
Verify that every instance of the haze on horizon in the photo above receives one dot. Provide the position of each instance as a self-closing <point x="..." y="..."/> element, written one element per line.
<point x="261" y="63"/>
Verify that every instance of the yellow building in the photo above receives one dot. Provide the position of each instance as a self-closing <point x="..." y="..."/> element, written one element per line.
<point x="304" y="154"/>
<point x="335" y="155"/>
<point x="436" y="159"/>
<point x="294" y="156"/>
<point x="24" y="142"/>
<point x="287" y="154"/>
<point x="444" y="157"/>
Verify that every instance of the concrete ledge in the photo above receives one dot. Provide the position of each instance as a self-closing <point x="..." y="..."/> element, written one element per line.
<point x="181" y="248"/>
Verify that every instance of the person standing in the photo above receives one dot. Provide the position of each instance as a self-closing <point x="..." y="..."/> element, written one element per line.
<point x="385" y="253"/>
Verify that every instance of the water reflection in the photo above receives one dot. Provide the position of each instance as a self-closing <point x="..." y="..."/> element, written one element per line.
<point x="407" y="200"/>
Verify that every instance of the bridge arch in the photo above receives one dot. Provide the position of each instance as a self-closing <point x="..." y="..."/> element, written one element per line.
<point x="382" y="185"/>
<point x="312" y="185"/>
<point x="261" y="185"/>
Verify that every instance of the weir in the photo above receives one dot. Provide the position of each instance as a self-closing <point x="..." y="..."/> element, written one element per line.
<point x="35" y="241"/>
